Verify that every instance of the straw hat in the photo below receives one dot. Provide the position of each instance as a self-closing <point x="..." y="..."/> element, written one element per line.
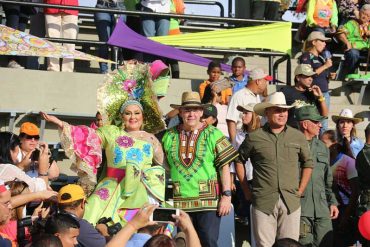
<point x="189" y="99"/>
<point x="247" y="107"/>
<point x="346" y="114"/>
<point x="276" y="99"/>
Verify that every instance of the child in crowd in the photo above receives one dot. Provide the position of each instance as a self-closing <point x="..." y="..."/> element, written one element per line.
<point x="214" y="73"/>
<point x="238" y="77"/>
<point x="214" y="98"/>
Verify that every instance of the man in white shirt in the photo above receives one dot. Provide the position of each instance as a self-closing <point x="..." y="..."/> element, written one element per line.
<point x="250" y="94"/>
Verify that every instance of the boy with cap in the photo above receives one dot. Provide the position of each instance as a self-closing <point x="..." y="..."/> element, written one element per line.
<point x="210" y="115"/>
<point x="318" y="203"/>
<point x="72" y="200"/>
<point x="249" y="94"/>
<point x="304" y="91"/>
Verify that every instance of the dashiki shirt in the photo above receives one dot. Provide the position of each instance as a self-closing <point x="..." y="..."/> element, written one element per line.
<point x="194" y="159"/>
<point x="129" y="179"/>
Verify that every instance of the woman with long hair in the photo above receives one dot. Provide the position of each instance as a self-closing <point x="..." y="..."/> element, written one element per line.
<point x="346" y="131"/>
<point x="314" y="54"/>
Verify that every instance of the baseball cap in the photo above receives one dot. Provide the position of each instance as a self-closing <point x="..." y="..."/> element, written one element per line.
<point x="308" y="112"/>
<point x="317" y="35"/>
<point x="70" y="193"/>
<point x="258" y="73"/>
<point x="304" y="69"/>
<point x="29" y="129"/>
<point x="209" y="111"/>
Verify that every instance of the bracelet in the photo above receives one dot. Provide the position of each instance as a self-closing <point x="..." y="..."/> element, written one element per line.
<point x="43" y="174"/>
<point x="321" y="99"/>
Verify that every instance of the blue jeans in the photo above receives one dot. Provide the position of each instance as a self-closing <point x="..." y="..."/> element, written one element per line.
<point x="105" y="24"/>
<point x="352" y="60"/>
<point x="207" y="225"/>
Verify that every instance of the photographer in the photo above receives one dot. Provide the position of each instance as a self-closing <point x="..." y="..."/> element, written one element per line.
<point x="29" y="136"/>
<point x="9" y="151"/>
<point x="142" y="219"/>
<point x="303" y="91"/>
<point x="72" y="200"/>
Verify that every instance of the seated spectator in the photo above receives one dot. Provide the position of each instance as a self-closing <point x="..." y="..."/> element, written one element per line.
<point x="5" y="214"/>
<point x="238" y="77"/>
<point x="346" y="131"/>
<point x="29" y="136"/>
<point x="304" y="91"/>
<point x="354" y="34"/>
<point x="47" y="240"/>
<point x="322" y="16"/>
<point x="214" y="72"/>
<point x="9" y="151"/>
<point x="65" y="227"/>
<point x="61" y="23"/>
<point x="72" y="200"/>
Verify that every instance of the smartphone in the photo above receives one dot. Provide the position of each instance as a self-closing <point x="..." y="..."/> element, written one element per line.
<point x="35" y="155"/>
<point x="164" y="214"/>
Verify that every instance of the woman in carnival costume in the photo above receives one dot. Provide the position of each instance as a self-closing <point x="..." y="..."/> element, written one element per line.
<point x="133" y="174"/>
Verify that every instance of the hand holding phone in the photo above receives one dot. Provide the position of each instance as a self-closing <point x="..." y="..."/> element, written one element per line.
<point x="164" y="215"/>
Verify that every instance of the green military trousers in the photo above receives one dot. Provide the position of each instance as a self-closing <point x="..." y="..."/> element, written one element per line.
<point x="316" y="232"/>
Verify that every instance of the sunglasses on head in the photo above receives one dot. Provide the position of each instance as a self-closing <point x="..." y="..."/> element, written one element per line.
<point x="28" y="137"/>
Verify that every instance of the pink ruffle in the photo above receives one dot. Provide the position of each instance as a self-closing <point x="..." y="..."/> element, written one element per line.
<point x="87" y="146"/>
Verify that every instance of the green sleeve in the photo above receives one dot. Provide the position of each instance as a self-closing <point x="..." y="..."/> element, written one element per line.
<point x="305" y="157"/>
<point x="244" y="150"/>
<point x="334" y="17"/>
<point x="104" y="132"/>
<point x="310" y="10"/>
<point x="225" y="152"/>
<point x="330" y="197"/>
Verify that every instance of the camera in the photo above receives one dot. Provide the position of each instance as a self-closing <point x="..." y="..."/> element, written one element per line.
<point x="113" y="228"/>
<point x="35" y="155"/>
<point x="164" y="215"/>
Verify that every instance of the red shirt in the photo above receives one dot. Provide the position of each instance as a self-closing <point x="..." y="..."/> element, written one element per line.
<point x="59" y="11"/>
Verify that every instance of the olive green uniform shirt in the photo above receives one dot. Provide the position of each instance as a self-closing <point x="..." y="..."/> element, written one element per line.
<point x="318" y="195"/>
<point x="276" y="160"/>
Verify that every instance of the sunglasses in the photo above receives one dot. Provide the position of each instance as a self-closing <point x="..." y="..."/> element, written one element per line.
<point x="28" y="137"/>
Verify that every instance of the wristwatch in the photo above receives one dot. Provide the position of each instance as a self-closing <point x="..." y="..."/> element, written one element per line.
<point x="226" y="193"/>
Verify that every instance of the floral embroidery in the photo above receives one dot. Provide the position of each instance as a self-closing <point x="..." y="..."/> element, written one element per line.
<point x="135" y="154"/>
<point x="125" y="141"/>
<point x="137" y="93"/>
<point x="103" y="193"/>
<point x="146" y="149"/>
<point x="128" y="85"/>
<point x="118" y="155"/>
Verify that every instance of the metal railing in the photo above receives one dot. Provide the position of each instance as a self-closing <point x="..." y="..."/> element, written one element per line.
<point x="272" y="66"/>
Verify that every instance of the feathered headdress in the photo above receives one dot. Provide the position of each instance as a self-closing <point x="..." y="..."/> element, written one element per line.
<point x="130" y="81"/>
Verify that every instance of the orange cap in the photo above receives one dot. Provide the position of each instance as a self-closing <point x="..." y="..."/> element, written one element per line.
<point x="70" y="193"/>
<point x="29" y="129"/>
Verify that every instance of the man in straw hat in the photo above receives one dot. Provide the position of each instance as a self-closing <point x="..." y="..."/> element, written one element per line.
<point x="198" y="156"/>
<point x="304" y="91"/>
<point x="249" y="94"/>
<point x="275" y="150"/>
<point x="316" y="227"/>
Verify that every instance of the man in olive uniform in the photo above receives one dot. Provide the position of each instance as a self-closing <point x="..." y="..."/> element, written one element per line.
<point x="363" y="170"/>
<point x="318" y="202"/>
